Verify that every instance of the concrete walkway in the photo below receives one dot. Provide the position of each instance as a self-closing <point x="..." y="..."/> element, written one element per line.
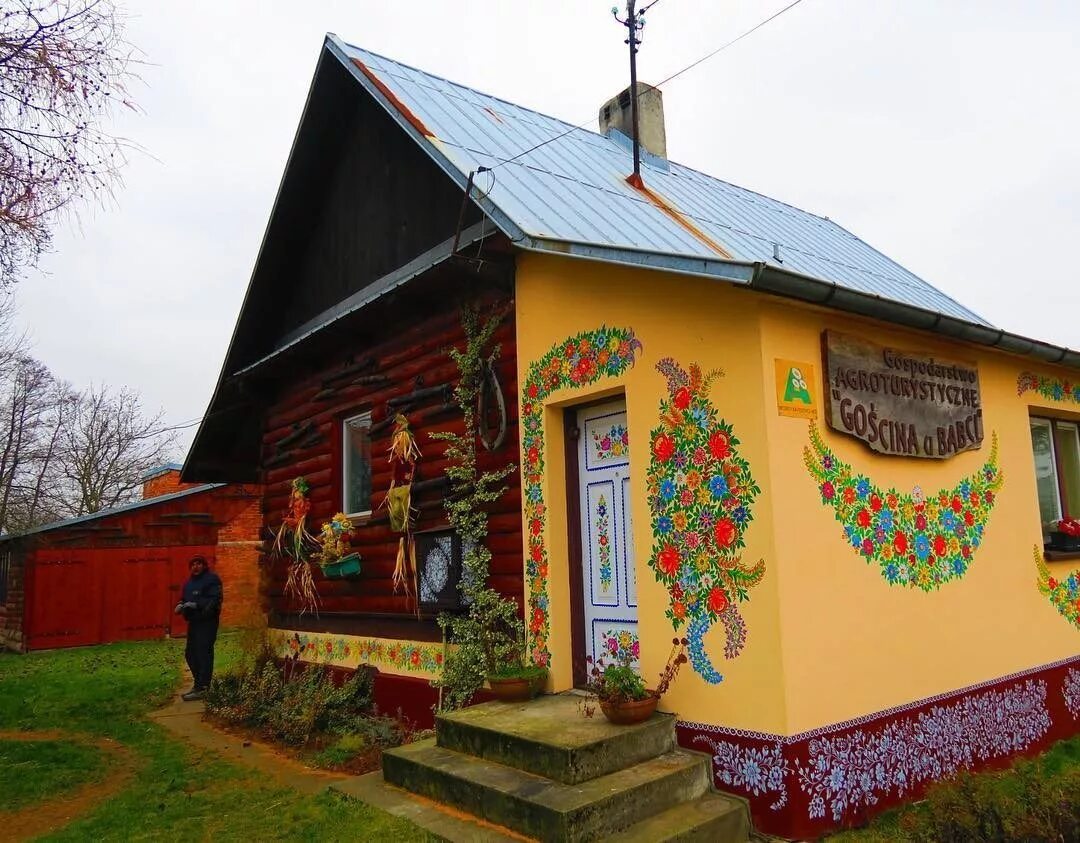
<point x="185" y="720"/>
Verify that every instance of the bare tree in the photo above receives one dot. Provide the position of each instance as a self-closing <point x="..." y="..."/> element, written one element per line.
<point x="28" y="382"/>
<point x="63" y="63"/>
<point x="105" y="446"/>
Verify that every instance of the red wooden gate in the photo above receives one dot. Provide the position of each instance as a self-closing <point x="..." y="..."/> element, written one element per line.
<point x="96" y="596"/>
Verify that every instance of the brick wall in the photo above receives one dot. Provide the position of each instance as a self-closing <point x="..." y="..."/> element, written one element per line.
<point x="237" y="564"/>
<point x="164" y="484"/>
<point x="11" y="613"/>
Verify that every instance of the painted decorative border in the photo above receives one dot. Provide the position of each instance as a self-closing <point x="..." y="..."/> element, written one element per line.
<point x="802" y="786"/>
<point x="917" y="540"/>
<point x="351" y="651"/>
<point x="1064" y="594"/>
<point x="603" y="540"/>
<point x="578" y="361"/>
<point x="701" y="496"/>
<point x="1053" y="389"/>
<point x="1070" y="692"/>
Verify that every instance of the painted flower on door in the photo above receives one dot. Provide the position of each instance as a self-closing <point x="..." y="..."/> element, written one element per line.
<point x="701" y="495"/>
<point x="1064" y="594"/>
<point x="577" y="361"/>
<point x="611" y="444"/>
<point x="917" y="540"/>
<point x="603" y="541"/>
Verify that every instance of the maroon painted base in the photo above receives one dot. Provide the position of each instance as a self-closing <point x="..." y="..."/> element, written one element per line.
<point x="802" y="786"/>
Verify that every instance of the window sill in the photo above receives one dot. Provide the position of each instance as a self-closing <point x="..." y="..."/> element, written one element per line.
<point x="1061" y="555"/>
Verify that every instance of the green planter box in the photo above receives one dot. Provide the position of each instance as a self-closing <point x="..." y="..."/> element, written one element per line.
<point x="345" y="568"/>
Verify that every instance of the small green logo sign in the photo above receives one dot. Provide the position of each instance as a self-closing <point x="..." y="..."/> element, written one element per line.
<point x="796" y="389"/>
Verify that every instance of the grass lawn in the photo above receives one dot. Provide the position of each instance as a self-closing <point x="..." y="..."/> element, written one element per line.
<point x="177" y="792"/>
<point x="32" y="771"/>
<point x="1031" y="800"/>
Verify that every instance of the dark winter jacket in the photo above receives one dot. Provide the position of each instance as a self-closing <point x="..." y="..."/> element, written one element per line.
<point x="206" y="593"/>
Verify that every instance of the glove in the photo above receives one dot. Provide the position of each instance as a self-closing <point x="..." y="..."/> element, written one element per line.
<point x="190" y="605"/>
<point x="179" y="608"/>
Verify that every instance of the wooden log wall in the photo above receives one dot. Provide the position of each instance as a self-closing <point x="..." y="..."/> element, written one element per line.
<point x="302" y="436"/>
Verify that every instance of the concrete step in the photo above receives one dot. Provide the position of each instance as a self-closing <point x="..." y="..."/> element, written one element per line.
<point x="712" y="818"/>
<point x="550" y="737"/>
<point x="539" y="807"/>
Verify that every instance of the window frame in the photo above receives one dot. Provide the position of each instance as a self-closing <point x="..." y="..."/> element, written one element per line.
<point x="364" y="418"/>
<point x="1065" y="506"/>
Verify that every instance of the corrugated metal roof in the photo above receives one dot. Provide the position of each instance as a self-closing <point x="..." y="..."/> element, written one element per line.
<point x="574" y="189"/>
<point x="106" y="513"/>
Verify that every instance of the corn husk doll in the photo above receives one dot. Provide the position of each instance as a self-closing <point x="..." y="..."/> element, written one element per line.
<point x="403" y="454"/>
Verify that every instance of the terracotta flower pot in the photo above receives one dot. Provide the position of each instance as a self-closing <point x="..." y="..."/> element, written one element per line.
<point x="514" y="689"/>
<point x="633" y="711"/>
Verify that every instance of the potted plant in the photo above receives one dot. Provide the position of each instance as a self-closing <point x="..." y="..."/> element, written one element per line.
<point x="335" y="558"/>
<point x="622" y="694"/>
<point x="1065" y="534"/>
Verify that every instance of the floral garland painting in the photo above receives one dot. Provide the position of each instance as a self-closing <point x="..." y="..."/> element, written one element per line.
<point x="700" y="495"/>
<point x="404" y="655"/>
<point x="1064" y="594"/>
<point x="577" y="361"/>
<point x="1054" y="389"/>
<point x="917" y="540"/>
<point x="603" y="539"/>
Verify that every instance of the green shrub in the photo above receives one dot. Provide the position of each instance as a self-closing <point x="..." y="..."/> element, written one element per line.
<point x="292" y="705"/>
<point x="1024" y="803"/>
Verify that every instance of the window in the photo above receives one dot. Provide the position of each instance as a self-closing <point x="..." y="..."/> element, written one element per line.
<point x="356" y="465"/>
<point x="1056" y="446"/>
<point x="439" y="557"/>
<point x="5" y="570"/>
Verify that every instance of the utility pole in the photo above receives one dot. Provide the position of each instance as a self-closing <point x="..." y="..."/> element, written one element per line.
<point x="634" y="23"/>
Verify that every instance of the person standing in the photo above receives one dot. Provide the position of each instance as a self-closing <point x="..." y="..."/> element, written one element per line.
<point x="200" y="604"/>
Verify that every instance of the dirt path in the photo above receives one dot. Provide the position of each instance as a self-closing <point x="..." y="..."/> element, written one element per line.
<point x="184" y="720"/>
<point x="56" y="812"/>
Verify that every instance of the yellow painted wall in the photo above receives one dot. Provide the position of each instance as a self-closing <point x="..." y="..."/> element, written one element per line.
<point x="828" y="638"/>
<point x="854" y="644"/>
<point x="691" y="320"/>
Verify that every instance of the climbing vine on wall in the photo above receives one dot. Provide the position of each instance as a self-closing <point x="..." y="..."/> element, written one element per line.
<point x="575" y="362"/>
<point x="917" y="540"/>
<point x="1063" y="594"/>
<point x="701" y="494"/>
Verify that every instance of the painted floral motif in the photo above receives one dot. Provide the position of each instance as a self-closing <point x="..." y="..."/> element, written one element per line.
<point x="917" y="540"/>
<point x="1054" y="389"/>
<point x="615" y="444"/>
<point x="620" y="645"/>
<point x="1070" y="690"/>
<point x="756" y="771"/>
<point x="1064" y="594"/>
<point x="856" y="769"/>
<point x="577" y="361"/>
<point x="405" y="655"/>
<point x="700" y="495"/>
<point x="603" y="541"/>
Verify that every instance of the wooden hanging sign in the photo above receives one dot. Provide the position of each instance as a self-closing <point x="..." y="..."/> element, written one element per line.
<point x="901" y="403"/>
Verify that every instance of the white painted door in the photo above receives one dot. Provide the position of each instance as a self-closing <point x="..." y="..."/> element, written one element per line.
<point x="609" y="586"/>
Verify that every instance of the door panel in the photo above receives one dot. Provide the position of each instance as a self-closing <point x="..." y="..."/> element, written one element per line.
<point x="609" y="585"/>
<point x="65" y="602"/>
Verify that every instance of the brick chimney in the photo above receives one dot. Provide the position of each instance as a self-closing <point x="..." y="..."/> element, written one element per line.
<point x="616" y="114"/>
<point x="163" y="480"/>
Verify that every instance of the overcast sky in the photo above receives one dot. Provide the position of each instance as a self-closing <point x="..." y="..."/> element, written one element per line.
<point x="943" y="132"/>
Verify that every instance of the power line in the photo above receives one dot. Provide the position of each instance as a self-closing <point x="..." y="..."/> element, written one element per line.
<point x="679" y="73"/>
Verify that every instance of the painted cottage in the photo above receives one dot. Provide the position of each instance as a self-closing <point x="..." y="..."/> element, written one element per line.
<point x="733" y="421"/>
